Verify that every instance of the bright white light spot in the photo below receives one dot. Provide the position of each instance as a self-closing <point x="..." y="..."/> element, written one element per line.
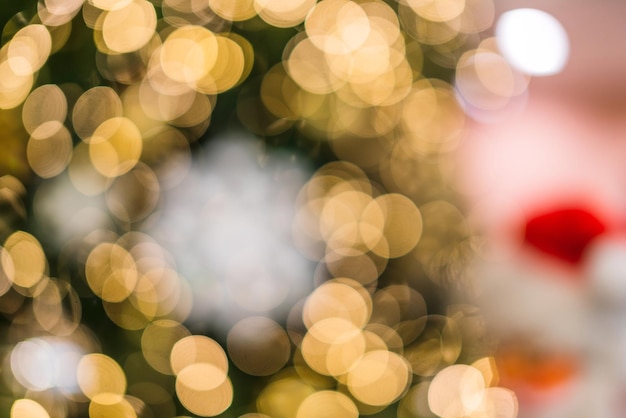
<point x="43" y="363"/>
<point x="228" y="225"/>
<point x="533" y="41"/>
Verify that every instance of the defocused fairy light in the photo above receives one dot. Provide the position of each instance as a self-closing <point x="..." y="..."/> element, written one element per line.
<point x="157" y="261"/>
<point x="543" y="50"/>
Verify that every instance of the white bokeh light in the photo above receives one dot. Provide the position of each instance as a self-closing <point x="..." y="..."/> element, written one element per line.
<point x="228" y="225"/>
<point x="45" y="363"/>
<point x="533" y="41"/>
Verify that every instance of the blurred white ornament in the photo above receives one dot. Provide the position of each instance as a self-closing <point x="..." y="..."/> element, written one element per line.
<point x="228" y="225"/>
<point x="533" y="41"/>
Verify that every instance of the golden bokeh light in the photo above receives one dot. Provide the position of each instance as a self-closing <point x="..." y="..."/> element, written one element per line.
<point x="332" y="346"/>
<point x="49" y="149"/>
<point x="337" y="299"/>
<point x="58" y="13"/>
<point x="327" y="404"/>
<point x="234" y="10"/>
<point x="111" y="406"/>
<point x="204" y="389"/>
<point x="119" y="306"/>
<point x="272" y="400"/>
<point x="29" y="49"/>
<point x="227" y="71"/>
<point x="308" y="67"/>
<point x="283" y="13"/>
<point x="392" y="224"/>
<point x="44" y="104"/>
<point x="23" y="408"/>
<point x="197" y="349"/>
<point x="379" y="378"/>
<point x="111" y="272"/>
<point x="115" y="146"/>
<point x="258" y="346"/>
<point x="100" y="378"/>
<point x="14" y="88"/>
<point x="189" y="53"/>
<point x="24" y="260"/>
<point x="456" y="391"/>
<point x="92" y="108"/>
<point x="158" y="340"/>
<point x="128" y="26"/>
<point x="497" y="402"/>
<point x="337" y="26"/>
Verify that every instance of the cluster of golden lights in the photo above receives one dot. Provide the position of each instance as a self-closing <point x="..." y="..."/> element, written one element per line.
<point x="352" y="74"/>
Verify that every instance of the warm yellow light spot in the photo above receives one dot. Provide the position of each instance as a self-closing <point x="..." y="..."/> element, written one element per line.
<point x="110" y="4"/>
<point x="7" y="270"/>
<point x="379" y="378"/>
<point x="45" y="103"/>
<point x="392" y="225"/>
<point x="487" y="81"/>
<point x="29" y="49"/>
<point x="111" y="272"/>
<point x="158" y="340"/>
<point x="327" y="404"/>
<point x="308" y="67"/>
<point x="49" y="149"/>
<point x="339" y="220"/>
<point x="13" y="87"/>
<point x="201" y="376"/>
<point x="111" y="406"/>
<point x="58" y="13"/>
<point x="189" y="53"/>
<point x="234" y="10"/>
<point x="337" y="300"/>
<point x="456" y="391"/>
<point x="125" y="315"/>
<point x="227" y="71"/>
<point x="497" y="402"/>
<point x="115" y="146"/>
<point x="487" y="367"/>
<point x="163" y="106"/>
<point x="27" y="408"/>
<point x="337" y="26"/>
<point x="248" y="54"/>
<point x="197" y="349"/>
<point x="332" y="346"/>
<point x="437" y="10"/>
<point x="432" y="117"/>
<point x="23" y="259"/>
<point x="365" y="63"/>
<point x="258" y="346"/>
<point x="100" y="377"/>
<point x="282" y="397"/>
<point x="196" y="390"/>
<point x="158" y="292"/>
<point x="93" y="107"/>
<point x="129" y="27"/>
<point x="283" y="13"/>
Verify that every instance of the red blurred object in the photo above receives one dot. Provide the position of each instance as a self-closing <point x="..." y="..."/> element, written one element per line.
<point x="564" y="233"/>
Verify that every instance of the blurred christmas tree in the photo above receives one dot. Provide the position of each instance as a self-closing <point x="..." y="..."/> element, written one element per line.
<point x="242" y="208"/>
